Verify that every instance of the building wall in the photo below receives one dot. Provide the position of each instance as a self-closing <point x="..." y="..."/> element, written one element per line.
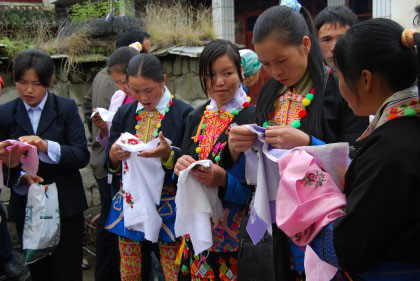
<point x="183" y="80"/>
<point x="402" y="11"/>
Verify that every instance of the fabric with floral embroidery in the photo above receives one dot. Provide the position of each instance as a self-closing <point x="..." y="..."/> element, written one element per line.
<point x="142" y="191"/>
<point x="307" y="197"/>
<point x="225" y="230"/>
<point x="307" y="200"/>
<point x="289" y="103"/>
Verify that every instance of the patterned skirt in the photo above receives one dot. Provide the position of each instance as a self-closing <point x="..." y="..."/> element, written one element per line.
<point x="131" y="259"/>
<point x="208" y="266"/>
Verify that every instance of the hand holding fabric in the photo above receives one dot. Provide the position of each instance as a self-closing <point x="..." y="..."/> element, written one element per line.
<point x="30" y="180"/>
<point x="40" y="143"/>
<point x="211" y="176"/>
<point x="117" y="154"/>
<point x="10" y="158"/>
<point x="240" y="139"/>
<point x="100" y="124"/>
<point x="163" y="150"/>
<point x="286" y="137"/>
<point x="183" y="163"/>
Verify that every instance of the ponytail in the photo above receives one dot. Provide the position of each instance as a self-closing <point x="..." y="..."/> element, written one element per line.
<point x="288" y="25"/>
<point x="381" y="46"/>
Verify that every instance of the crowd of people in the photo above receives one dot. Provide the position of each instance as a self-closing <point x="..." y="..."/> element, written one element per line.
<point x="328" y="75"/>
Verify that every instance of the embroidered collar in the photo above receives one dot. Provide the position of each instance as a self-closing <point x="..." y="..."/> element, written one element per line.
<point x="403" y="103"/>
<point x="40" y="106"/>
<point x="163" y="103"/>
<point x="235" y="103"/>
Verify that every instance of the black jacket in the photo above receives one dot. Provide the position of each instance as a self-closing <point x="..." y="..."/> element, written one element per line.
<point x="59" y="122"/>
<point x="382" y="221"/>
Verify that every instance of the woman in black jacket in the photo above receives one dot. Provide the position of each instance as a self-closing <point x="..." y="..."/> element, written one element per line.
<point x="53" y="125"/>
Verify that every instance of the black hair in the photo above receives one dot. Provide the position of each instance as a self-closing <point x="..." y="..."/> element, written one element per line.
<point x="147" y="66"/>
<point x="416" y="20"/>
<point x="417" y="40"/>
<point x="119" y="59"/>
<point x="288" y="27"/>
<point x="337" y="15"/>
<point x="39" y="61"/>
<point x="213" y="51"/>
<point x="376" y="45"/>
<point x="130" y="35"/>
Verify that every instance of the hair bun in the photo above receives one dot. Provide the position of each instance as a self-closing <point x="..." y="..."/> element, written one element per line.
<point x="137" y="45"/>
<point x="407" y="38"/>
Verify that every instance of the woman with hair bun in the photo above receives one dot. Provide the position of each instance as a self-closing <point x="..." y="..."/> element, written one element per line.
<point x="377" y="237"/>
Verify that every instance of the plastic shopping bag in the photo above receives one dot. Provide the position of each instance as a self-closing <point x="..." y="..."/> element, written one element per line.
<point x="41" y="232"/>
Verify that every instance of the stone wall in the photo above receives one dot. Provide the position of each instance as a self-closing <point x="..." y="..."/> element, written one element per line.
<point x="183" y="80"/>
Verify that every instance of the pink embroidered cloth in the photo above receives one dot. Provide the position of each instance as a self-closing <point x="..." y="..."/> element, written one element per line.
<point x="29" y="159"/>
<point x="307" y="200"/>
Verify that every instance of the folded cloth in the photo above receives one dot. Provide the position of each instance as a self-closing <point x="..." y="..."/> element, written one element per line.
<point x="262" y="170"/>
<point x="142" y="182"/>
<point x="29" y="159"/>
<point x="196" y="205"/>
<point x="307" y="197"/>
<point x="117" y="100"/>
<point x="316" y="269"/>
<point x="106" y="115"/>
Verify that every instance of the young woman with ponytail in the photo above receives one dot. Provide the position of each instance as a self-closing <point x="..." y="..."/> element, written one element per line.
<point x="301" y="105"/>
<point x="377" y="238"/>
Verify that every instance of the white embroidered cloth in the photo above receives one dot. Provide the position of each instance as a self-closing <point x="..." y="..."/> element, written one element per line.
<point x="142" y="180"/>
<point x="196" y="204"/>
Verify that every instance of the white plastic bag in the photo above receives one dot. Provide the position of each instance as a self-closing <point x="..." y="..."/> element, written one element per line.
<point x="41" y="232"/>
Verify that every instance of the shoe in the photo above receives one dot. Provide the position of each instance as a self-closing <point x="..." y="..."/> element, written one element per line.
<point x="13" y="269"/>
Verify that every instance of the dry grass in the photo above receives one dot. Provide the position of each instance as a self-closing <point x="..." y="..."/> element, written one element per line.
<point x="171" y="23"/>
<point x="39" y="36"/>
<point x="76" y="44"/>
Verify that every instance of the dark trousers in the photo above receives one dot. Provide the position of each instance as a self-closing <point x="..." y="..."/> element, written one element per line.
<point x="5" y="242"/>
<point x="65" y="264"/>
<point x="107" y="253"/>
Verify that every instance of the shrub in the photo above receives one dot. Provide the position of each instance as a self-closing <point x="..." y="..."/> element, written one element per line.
<point x="92" y="10"/>
<point x="173" y="23"/>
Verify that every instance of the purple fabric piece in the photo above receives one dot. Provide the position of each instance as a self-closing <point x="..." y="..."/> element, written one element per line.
<point x="263" y="208"/>
<point x="256" y="227"/>
<point x="273" y="211"/>
<point x="102" y="141"/>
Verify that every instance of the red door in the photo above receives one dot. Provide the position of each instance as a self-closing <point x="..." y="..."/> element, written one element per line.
<point x="245" y="26"/>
